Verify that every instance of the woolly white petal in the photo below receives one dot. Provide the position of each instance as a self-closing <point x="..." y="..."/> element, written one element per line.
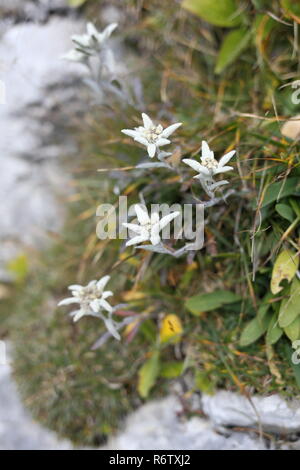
<point x="131" y="133"/>
<point x="106" y="294"/>
<point x="169" y="130"/>
<point x="92" y="31"/>
<point x="68" y="301"/>
<point x="142" y="215"/>
<point x="102" y="282"/>
<point x="95" y="305"/>
<point x="167" y="219"/>
<point x="161" y="142"/>
<point x="155" y="238"/>
<point x="154" y="217"/>
<point x="147" y="121"/>
<point x="75" y="287"/>
<point x="223" y="169"/>
<point x="134" y="227"/>
<point x="108" y="30"/>
<point x="110" y="325"/>
<point x="142" y="140"/>
<point x="206" y="152"/>
<point x="196" y="166"/>
<point x="136" y="240"/>
<point x="104" y="304"/>
<point x="225" y="159"/>
<point x="78" y="314"/>
<point x="151" y="149"/>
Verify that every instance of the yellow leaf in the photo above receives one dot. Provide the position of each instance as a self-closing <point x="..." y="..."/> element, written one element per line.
<point x="171" y="328"/>
<point x="131" y="295"/>
<point x="285" y="267"/>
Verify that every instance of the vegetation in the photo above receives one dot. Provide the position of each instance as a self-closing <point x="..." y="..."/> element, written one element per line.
<point x="225" y="315"/>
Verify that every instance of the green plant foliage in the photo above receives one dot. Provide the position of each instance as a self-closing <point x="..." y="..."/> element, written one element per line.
<point x="233" y="45"/>
<point x="206" y="302"/>
<point x="148" y="374"/>
<point x="222" y="13"/>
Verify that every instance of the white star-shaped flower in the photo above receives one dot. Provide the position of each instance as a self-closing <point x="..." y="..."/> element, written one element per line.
<point x="151" y="135"/>
<point x="93" y="39"/>
<point x="209" y="166"/>
<point x="91" y="298"/>
<point x="149" y="227"/>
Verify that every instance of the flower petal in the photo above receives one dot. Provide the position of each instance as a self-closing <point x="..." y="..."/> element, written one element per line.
<point x="167" y="219"/>
<point x="169" y="130"/>
<point x="196" y="166"/>
<point x="136" y="240"/>
<point x="108" y="30"/>
<point x="142" y="214"/>
<point x="151" y="149"/>
<point x="102" y="282"/>
<point x="147" y="121"/>
<point x="134" y="227"/>
<point x="132" y="133"/>
<point x="155" y="238"/>
<point x="205" y="150"/>
<point x="106" y="294"/>
<point x="68" y="301"/>
<point x="110" y="325"/>
<point x="104" y="304"/>
<point x="222" y="169"/>
<point x="142" y="140"/>
<point x="77" y="314"/>
<point x="95" y="305"/>
<point x="161" y="142"/>
<point x="225" y="159"/>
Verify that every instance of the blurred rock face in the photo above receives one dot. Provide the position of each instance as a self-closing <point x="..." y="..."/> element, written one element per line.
<point x="40" y="97"/>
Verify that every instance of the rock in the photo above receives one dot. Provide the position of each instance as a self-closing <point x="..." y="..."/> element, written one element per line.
<point x="17" y="430"/>
<point x="231" y="409"/>
<point x="156" y="425"/>
<point x="43" y="96"/>
<point x="31" y="10"/>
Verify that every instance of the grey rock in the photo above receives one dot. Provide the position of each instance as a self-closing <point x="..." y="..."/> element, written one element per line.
<point x="42" y="97"/>
<point x="273" y="413"/>
<point x="157" y="425"/>
<point x="17" y="429"/>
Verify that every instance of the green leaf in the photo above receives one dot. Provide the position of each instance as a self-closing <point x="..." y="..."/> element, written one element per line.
<point x="293" y="330"/>
<point x="219" y="13"/>
<point x="274" y="332"/>
<point x="285" y="267"/>
<point x="254" y="330"/>
<point x="203" y="383"/>
<point x="206" y="302"/>
<point x="233" y="45"/>
<point x="285" y="211"/>
<point x="291" y="8"/>
<point x="18" y="267"/>
<point x="281" y="189"/>
<point x="171" y="369"/>
<point x="148" y="374"/>
<point x="76" y="3"/>
<point x="290" y="307"/>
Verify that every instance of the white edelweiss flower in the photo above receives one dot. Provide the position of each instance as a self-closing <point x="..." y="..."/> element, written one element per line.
<point x="93" y="39"/>
<point x="209" y="166"/>
<point x="151" y="135"/>
<point x="149" y="227"/>
<point x="74" y="56"/>
<point x="91" y="298"/>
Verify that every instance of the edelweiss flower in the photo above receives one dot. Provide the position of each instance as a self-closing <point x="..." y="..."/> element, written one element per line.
<point x="93" y="39"/>
<point x="74" y="56"/>
<point x="151" y="135"/>
<point x="149" y="227"/>
<point x="91" y="298"/>
<point x="209" y="166"/>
